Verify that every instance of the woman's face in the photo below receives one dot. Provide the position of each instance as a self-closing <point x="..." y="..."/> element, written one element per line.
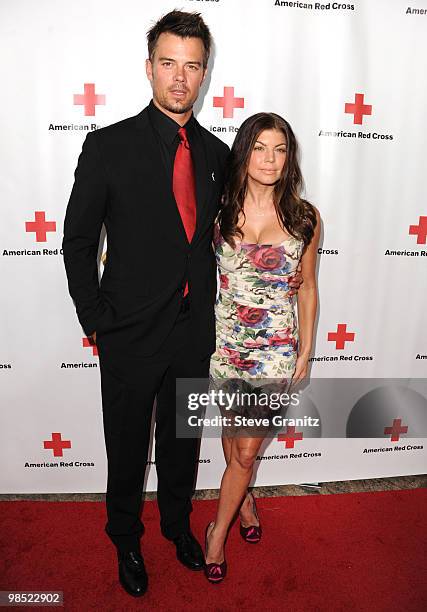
<point x="268" y="157"/>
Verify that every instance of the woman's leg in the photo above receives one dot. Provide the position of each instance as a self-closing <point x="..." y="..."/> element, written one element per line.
<point x="246" y="511"/>
<point x="226" y="447"/>
<point x="234" y="486"/>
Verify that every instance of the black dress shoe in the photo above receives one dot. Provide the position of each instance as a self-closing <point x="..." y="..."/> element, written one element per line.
<point x="132" y="574"/>
<point x="189" y="551"/>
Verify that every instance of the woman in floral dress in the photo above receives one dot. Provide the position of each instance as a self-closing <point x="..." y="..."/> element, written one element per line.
<point x="264" y="231"/>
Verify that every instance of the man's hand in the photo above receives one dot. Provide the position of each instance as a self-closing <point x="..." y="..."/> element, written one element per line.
<point x="296" y="281"/>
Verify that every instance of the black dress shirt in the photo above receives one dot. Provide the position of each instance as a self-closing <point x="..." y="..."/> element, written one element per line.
<point x="166" y="130"/>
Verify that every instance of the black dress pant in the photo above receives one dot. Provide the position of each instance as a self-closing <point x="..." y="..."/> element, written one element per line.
<point x="129" y="387"/>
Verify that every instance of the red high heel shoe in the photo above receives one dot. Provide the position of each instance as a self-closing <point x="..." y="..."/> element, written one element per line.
<point x="252" y="534"/>
<point x="214" y="572"/>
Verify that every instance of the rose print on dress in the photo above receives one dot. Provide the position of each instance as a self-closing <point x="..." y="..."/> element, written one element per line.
<point x="251" y="366"/>
<point x="283" y="337"/>
<point x="223" y="280"/>
<point x="251" y="316"/>
<point x="267" y="257"/>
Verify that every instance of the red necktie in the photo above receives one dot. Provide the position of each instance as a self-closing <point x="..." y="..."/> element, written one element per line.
<point x="184" y="188"/>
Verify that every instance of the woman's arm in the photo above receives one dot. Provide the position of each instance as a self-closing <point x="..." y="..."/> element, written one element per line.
<point x="307" y="304"/>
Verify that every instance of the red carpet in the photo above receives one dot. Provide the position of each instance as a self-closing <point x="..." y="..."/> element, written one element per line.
<point x="357" y="551"/>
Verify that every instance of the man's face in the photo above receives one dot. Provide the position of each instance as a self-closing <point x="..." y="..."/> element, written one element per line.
<point x="176" y="72"/>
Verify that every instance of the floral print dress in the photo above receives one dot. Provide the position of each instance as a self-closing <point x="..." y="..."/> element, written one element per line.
<point x="256" y="326"/>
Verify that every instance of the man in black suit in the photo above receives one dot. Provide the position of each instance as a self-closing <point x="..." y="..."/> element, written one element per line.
<point x="152" y="315"/>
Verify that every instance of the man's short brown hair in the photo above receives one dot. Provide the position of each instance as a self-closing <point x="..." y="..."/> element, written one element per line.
<point x="181" y="24"/>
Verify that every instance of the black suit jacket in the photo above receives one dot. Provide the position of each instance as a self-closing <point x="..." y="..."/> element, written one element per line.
<point x="121" y="182"/>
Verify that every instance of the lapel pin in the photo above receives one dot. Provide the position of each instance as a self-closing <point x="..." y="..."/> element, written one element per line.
<point x="213" y="176"/>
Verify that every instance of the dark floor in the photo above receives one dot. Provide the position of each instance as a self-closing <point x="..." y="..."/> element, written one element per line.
<point x="325" y="488"/>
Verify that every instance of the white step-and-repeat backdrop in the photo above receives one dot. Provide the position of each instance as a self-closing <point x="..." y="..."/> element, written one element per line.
<point x="350" y="78"/>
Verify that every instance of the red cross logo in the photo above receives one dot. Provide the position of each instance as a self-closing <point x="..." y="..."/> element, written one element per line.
<point x="341" y="336"/>
<point x="89" y="99"/>
<point x="290" y="436"/>
<point x="358" y="109"/>
<point x="57" y="444"/>
<point x="396" y="429"/>
<point x="90" y="342"/>
<point x="228" y="102"/>
<point x="420" y="230"/>
<point x="40" y="226"/>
